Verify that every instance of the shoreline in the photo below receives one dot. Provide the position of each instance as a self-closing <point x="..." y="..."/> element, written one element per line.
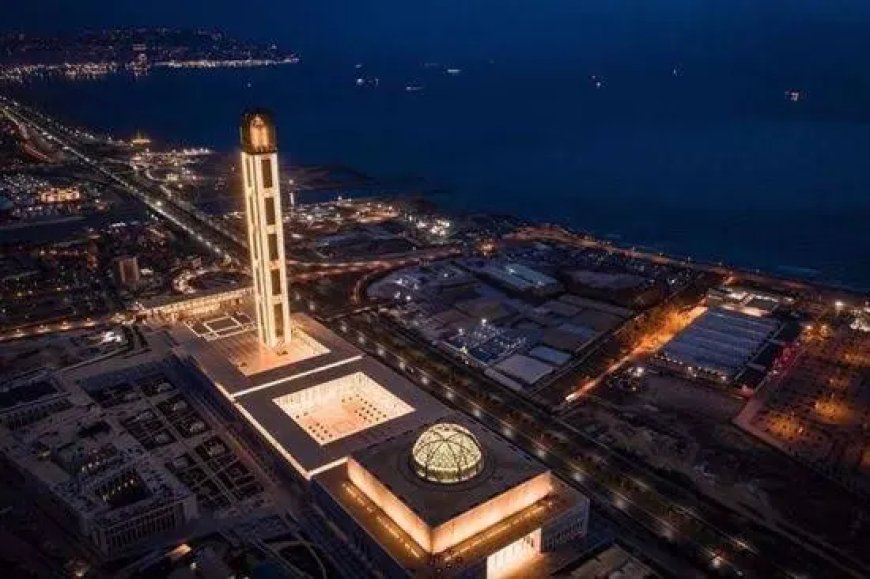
<point x="616" y="241"/>
<point x="761" y="275"/>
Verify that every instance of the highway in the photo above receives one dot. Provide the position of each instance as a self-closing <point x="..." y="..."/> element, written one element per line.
<point x="193" y="222"/>
<point x="190" y="219"/>
<point x="378" y="264"/>
<point x="673" y="518"/>
<point x="668" y="515"/>
<point x="197" y="224"/>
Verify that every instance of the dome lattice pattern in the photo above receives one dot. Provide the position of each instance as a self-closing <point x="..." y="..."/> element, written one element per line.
<point x="447" y="453"/>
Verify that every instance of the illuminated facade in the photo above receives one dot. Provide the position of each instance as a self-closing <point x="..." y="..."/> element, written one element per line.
<point x="447" y="453"/>
<point x="451" y="499"/>
<point x="313" y="403"/>
<point x="60" y="195"/>
<point x="174" y="308"/>
<point x="342" y="407"/>
<point x="265" y="228"/>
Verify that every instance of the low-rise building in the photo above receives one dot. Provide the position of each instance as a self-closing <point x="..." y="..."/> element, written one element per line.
<point x="96" y="478"/>
<point x="181" y="307"/>
<point x="718" y="345"/>
<point x="28" y="400"/>
<point x="746" y="300"/>
<point x="451" y="499"/>
<point x="522" y="279"/>
<point x="53" y="195"/>
<point x="127" y="269"/>
<point x="314" y="401"/>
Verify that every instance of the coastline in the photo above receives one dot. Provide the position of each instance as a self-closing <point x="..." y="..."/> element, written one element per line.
<point x="455" y="200"/>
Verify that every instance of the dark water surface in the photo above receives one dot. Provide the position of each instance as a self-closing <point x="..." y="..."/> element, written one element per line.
<point x="689" y="145"/>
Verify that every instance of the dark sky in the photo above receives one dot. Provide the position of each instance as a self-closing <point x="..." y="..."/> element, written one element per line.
<point x="466" y="27"/>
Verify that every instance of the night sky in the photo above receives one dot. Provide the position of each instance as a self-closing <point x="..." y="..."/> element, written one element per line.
<point x="495" y="28"/>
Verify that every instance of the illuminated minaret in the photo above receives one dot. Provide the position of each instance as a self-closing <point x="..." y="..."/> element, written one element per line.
<point x="265" y="228"/>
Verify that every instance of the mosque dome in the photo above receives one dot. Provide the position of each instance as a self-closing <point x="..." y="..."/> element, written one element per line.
<point x="447" y="453"/>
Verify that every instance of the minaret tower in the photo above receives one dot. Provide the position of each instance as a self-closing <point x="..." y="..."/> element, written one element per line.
<point x="265" y="228"/>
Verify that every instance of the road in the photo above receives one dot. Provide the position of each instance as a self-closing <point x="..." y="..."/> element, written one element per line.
<point x="703" y="531"/>
<point x="195" y="223"/>
<point x="639" y="352"/>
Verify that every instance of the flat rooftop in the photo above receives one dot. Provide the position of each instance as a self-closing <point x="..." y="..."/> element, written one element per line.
<point x="505" y="467"/>
<point x="342" y="407"/>
<point x="720" y="341"/>
<point x="317" y="401"/>
<point x="239" y="362"/>
<point x="312" y="448"/>
<point x="524" y="368"/>
<point x="453" y="561"/>
<point x="76" y="452"/>
<point x="519" y="276"/>
<point x="20" y="394"/>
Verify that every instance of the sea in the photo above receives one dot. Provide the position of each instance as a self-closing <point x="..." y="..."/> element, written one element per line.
<point x="727" y="131"/>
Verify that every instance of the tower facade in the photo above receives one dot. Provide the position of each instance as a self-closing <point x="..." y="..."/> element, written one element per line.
<point x="265" y="228"/>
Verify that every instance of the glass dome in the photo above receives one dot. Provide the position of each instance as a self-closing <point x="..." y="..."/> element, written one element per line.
<point x="447" y="453"/>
